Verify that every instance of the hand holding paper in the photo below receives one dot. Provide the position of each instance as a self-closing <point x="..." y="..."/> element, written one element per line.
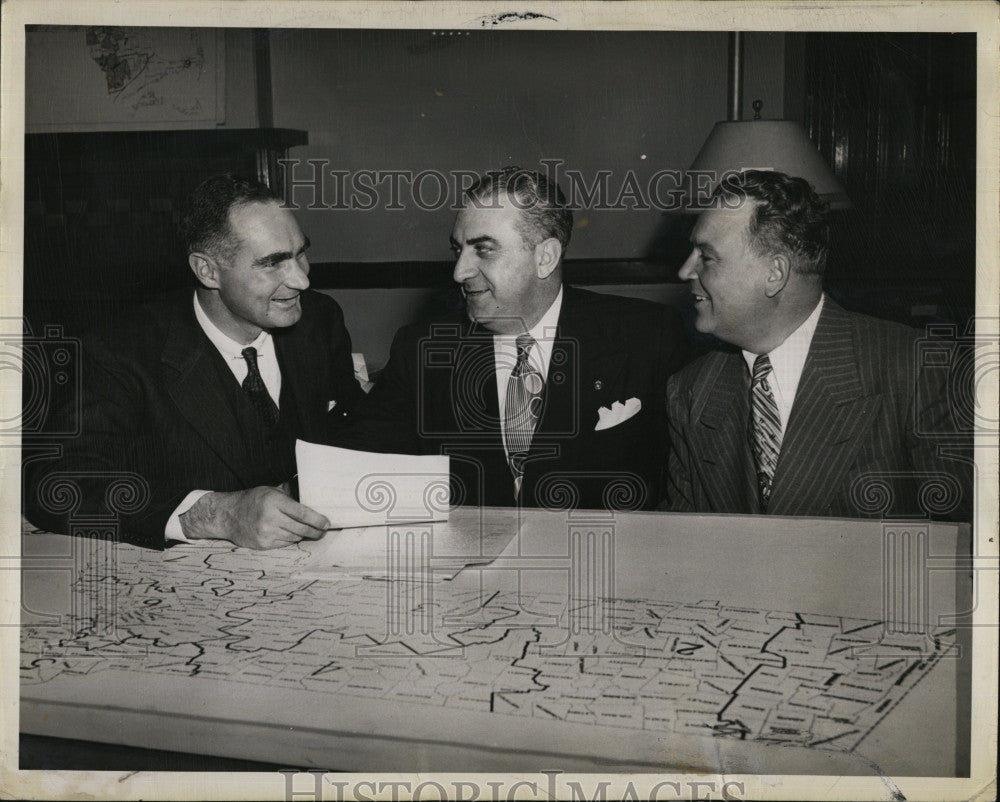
<point x="359" y="488"/>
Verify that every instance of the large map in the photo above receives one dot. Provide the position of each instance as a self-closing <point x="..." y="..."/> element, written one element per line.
<point x="700" y="668"/>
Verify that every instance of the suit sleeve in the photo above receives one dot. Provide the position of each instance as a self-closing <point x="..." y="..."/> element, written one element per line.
<point x="675" y="352"/>
<point x="675" y="348"/>
<point x="386" y="420"/>
<point x="96" y="477"/>
<point x="939" y="438"/>
<point x="679" y="494"/>
<point x="346" y="390"/>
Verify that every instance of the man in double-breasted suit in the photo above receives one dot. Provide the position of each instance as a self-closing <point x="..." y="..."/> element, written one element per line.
<point x="814" y="411"/>
<point x="541" y="394"/>
<point x="190" y="407"/>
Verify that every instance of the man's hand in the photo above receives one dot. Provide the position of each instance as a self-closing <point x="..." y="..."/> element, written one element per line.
<point x="259" y="518"/>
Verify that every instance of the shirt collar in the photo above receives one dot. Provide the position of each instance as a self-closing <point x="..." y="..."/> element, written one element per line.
<point x="543" y="333"/>
<point x="545" y="329"/>
<point x="788" y="359"/>
<point x="223" y="343"/>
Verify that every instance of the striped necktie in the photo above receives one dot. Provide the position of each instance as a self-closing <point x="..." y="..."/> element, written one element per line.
<point x="765" y="428"/>
<point x="522" y="409"/>
<point x="254" y="387"/>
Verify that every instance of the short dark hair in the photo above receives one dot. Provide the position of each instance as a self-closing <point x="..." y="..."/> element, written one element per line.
<point x="542" y="204"/>
<point x="789" y="218"/>
<point x="204" y="219"/>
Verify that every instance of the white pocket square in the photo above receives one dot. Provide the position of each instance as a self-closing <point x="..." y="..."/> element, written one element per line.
<point x="619" y="413"/>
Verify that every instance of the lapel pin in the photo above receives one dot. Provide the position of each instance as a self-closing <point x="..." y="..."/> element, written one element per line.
<point x="598" y="384"/>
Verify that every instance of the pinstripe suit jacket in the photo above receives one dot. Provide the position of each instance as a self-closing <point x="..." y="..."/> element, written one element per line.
<point x="871" y="432"/>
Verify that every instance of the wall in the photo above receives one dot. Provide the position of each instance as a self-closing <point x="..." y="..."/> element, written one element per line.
<point x="615" y="101"/>
<point x="765" y="76"/>
<point x="638" y="101"/>
<point x="241" y="85"/>
<point x="379" y="100"/>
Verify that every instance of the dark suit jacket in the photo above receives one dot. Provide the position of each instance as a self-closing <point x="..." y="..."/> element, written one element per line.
<point x="438" y="395"/>
<point x="161" y="414"/>
<point x="862" y="440"/>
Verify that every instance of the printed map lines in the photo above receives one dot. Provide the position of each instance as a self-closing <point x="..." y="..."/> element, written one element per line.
<point x="703" y="668"/>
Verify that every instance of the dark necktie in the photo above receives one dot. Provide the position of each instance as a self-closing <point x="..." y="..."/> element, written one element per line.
<point x="765" y="428"/>
<point x="254" y="387"/>
<point x="522" y="409"/>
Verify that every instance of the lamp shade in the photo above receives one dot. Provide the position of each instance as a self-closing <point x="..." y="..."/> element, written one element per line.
<point x="780" y="145"/>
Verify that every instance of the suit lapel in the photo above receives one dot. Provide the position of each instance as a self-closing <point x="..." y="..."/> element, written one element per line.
<point x="581" y="357"/>
<point x="297" y="356"/>
<point x="720" y="436"/>
<point x="473" y="385"/>
<point x="830" y="414"/>
<point x="190" y="362"/>
<point x="473" y="414"/>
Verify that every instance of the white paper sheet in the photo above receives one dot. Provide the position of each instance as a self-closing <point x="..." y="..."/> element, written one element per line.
<point x="359" y="488"/>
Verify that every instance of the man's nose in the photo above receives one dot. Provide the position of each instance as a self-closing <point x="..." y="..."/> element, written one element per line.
<point x="465" y="267"/>
<point x="687" y="271"/>
<point x="297" y="274"/>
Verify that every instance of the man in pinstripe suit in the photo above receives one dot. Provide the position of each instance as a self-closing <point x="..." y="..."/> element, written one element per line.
<point x="816" y="411"/>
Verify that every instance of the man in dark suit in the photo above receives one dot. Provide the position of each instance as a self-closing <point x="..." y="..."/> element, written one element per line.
<point x="540" y="394"/>
<point x="815" y="411"/>
<point x="191" y="406"/>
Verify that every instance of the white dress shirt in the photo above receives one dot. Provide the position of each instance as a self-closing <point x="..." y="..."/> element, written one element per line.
<point x="505" y="354"/>
<point x="232" y="353"/>
<point x="787" y="361"/>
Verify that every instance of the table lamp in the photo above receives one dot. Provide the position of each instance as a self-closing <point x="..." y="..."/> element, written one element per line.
<point x="781" y="145"/>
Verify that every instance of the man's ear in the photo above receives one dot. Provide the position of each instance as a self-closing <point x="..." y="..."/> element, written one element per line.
<point x="547" y="255"/>
<point x="778" y="273"/>
<point x="205" y="269"/>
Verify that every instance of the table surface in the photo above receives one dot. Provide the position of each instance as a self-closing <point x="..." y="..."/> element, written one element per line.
<point x="595" y="642"/>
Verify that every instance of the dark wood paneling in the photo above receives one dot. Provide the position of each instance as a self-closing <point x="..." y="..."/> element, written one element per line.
<point x="100" y="212"/>
<point x="894" y="113"/>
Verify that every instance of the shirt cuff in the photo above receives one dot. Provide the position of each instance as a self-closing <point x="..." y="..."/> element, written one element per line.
<point x="173" y="530"/>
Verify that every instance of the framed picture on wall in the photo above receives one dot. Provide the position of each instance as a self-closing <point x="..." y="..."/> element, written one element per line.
<point x="124" y="78"/>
